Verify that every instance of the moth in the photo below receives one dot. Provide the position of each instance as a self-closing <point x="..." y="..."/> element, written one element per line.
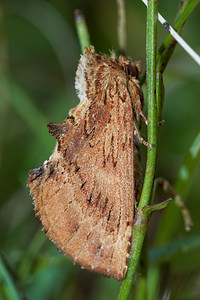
<point x="86" y="193"/>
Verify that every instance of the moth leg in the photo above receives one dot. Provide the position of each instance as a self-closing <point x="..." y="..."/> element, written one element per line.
<point x="142" y="141"/>
<point x="170" y="191"/>
<point x="144" y="117"/>
<point x="160" y="123"/>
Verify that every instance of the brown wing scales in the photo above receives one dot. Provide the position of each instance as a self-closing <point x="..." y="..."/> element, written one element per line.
<point x="85" y="193"/>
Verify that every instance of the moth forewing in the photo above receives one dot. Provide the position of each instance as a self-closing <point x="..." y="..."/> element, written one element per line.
<point x="86" y="193"/>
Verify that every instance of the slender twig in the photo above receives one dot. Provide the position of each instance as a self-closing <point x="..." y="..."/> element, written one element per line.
<point x="139" y="231"/>
<point x="140" y="226"/>
<point x="152" y="112"/>
<point x="121" y="26"/>
<point x="82" y="30"/>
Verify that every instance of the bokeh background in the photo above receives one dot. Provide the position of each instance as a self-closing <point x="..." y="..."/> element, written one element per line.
<point x="39" y="52"/>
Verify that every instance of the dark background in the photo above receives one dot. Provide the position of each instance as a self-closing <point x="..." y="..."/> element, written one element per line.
<point x="39" y="53"/>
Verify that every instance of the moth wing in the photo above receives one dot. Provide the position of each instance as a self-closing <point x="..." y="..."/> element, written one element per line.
<point x="84" y="193"/>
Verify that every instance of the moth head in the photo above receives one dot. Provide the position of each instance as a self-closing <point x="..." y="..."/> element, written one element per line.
<point x="133" y="69"/>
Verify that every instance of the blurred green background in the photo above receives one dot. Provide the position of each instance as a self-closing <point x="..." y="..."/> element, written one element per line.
<point x="39" y="53"/>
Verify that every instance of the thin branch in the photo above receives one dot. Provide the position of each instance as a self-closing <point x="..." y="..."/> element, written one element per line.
<point x="142" y="217"/>
<point x="152" y="111"/>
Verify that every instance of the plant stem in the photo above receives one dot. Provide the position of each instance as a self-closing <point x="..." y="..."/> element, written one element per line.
<point x="151" y="100"/>
<point x="121" y="26"/>
<point x="160" y="96"/>
<point x="142" y="216"/>
<point x="139" y="231"/>
<point x="82" y="30"/>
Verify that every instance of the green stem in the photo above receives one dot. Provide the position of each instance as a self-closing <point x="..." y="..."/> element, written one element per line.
<point x="121" y="26"/>
<point x="142" y="217"/>
<point x="151" y="99"/>
<point x="82" y="30"/>
<point x="139" y="231"/>
<point x="160" y="96"/>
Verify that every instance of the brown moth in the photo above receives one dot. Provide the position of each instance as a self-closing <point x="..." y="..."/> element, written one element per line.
<point x="86" y="193"/>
